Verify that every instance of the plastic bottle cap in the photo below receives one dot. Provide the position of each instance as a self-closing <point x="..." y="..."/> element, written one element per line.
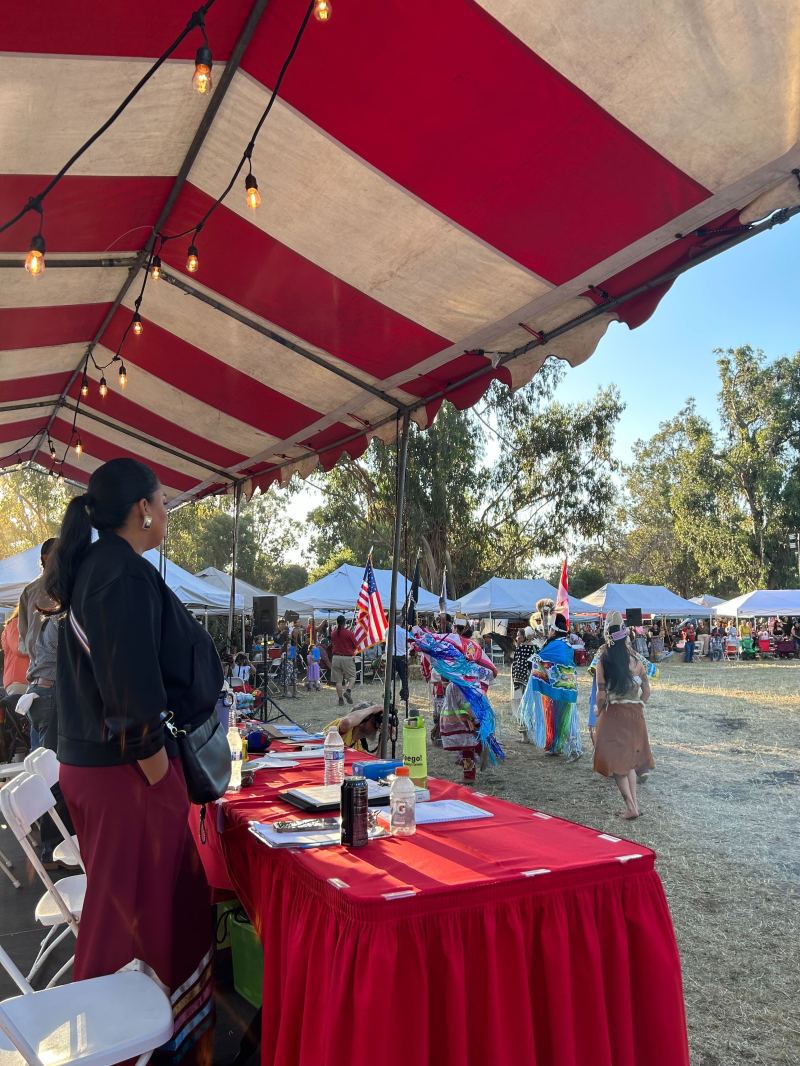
<point x="401" y="771"/>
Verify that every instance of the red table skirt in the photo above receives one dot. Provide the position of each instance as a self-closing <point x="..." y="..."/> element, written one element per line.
<point x="576" y="968"/>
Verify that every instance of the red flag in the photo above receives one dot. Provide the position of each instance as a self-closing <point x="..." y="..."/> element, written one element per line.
<point x="562" y="597"/>
<point x="370" y="623"/>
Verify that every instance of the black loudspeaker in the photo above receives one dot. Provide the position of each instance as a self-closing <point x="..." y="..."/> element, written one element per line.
<point x="633" y="616"/>
<point x="265" y="614"/>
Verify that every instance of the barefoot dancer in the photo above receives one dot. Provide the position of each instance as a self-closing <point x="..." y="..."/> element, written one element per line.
<point x="622" y="746"/>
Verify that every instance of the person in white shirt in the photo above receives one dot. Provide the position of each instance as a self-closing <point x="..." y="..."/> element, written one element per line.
<point x="400" y="658"/>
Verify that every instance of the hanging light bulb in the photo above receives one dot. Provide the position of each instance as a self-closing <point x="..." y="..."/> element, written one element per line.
<point x="103" y="387"/>
<point x="155" y="268"/>
<point x="202" y="80"/>
<point x="192" y="260"/>
<point x="34" y="260"/>
<point x="52" y="448"/>
<point x="323" y="10"/>
<point x="138" y="328"/>
<point x="85" y="387"/>
<point x="123" y="376"/>
<point x="79" y="446"/>
<point x="252" y="195"/>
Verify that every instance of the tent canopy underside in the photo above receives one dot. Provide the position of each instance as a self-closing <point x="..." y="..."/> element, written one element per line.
<point x="417" y="210"/>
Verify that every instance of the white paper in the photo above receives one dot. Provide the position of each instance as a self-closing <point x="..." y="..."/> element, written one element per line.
<point x="449" y="811"/>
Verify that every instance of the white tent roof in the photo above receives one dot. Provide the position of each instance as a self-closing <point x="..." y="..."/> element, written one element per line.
<point x="220" y="580"/>
<point x="707" y="600"/>
<point x="20" y="569"/>
<point x="652" y="599"/>
<point x="762" y="602"/>
<point x="339" y="591"/>
<point x="509" y="598"/>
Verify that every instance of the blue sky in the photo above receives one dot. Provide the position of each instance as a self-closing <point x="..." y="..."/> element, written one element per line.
<point x="747" y="295"/>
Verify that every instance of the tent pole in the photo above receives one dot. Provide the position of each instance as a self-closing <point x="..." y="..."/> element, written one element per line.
<point x="237" y="501"/>
<point x="402" y="462"/>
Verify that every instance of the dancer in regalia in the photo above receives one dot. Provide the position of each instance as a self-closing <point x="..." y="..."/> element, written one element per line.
<point x="549" y="708"/>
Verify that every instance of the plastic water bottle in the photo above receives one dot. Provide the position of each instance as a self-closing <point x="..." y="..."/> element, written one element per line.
<point x="333" y="750"/>
<point x="402" y="804"/>
<point x="237" y="753"/>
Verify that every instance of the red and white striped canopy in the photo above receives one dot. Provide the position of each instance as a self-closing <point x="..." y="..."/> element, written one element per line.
<point x="437" y="178"/>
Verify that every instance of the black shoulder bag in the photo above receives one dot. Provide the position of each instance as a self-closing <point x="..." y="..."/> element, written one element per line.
<point x="204" y="750"/>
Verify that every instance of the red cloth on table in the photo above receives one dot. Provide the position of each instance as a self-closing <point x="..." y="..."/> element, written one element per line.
<point x="483" y="962"/>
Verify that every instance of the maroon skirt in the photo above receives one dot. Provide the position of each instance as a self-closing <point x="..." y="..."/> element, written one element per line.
<point x="147" y="900"/>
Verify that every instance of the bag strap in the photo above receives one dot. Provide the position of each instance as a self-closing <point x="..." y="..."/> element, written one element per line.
<point x="80" y="633"/>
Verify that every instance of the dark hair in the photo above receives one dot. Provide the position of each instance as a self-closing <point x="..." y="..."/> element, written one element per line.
<point x="47" y="547"/>
<point x="112" y="491"/>
<point x="341" y="621"/>
<point x="617" y="664"/>
<point x="560" y="623"/>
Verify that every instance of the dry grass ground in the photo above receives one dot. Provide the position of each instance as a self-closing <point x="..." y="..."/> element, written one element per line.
<point x="721" y="811"/>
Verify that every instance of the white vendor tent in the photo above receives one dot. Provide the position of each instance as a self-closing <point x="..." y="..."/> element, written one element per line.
<point x="707" y="600"/>
<point x="652" y="599"/>
<point x="198" y="595"/>
<point x="220" y="580"/>
<point x="761" y="603"/>
<point x="339" y="591"/>
<point x="503" y="597"/>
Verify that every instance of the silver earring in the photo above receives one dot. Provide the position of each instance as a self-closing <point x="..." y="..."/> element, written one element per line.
<point x="148" y="521"/>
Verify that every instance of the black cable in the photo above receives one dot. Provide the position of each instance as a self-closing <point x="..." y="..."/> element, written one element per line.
<point x="35" y="202"/>
<point x="248" y="152"/>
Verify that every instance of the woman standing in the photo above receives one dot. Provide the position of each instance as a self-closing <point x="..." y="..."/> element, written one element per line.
<point x="130" y="655"/>
<point x="622" y="746"/>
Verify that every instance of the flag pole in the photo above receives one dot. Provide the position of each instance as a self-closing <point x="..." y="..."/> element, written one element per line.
<point x="402" y="462"/>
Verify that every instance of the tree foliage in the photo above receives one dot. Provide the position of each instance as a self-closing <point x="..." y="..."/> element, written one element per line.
<point x="33" y="504"/>
<point x="487" y="491"/>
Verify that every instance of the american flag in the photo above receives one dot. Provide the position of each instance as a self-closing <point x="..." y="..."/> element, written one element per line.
<point x="370" y="623"/>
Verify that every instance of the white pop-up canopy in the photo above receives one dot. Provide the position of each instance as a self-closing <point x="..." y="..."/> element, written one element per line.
<point x="651" y="599"/>
<point x="220" y="580"/>
<point x="504" y="597"/>
<point x="761" y="603"/>
<point x="339" y="591"/>
<point x="19" y="570"/>
<point x="706" y="600"/>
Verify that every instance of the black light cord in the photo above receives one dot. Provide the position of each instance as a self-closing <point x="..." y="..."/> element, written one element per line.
<point x="35" y="202"/>
<point x="248" y="152"/>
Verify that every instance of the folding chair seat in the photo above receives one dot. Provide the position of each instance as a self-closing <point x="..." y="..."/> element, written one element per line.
<point x="97" y="1022"/>
<point x="44" y="763"/>
<point x="24" y="800"/>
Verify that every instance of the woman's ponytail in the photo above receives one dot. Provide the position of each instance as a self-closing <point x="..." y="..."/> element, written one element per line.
<point x="114" y="488"/>
<point x="74" y="541"/>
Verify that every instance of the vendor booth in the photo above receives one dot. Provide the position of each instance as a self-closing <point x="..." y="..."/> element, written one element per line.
<point x="501" y="597"/>
<point x="762" y="603"/>
<point x="220" y="580"/>
<point x="339" y="591"/>
<point x="653" y="600"/>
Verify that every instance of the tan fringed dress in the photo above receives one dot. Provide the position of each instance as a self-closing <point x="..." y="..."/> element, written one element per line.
<point x="621" y="741"/>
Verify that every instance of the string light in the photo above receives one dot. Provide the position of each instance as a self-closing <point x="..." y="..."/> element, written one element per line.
<point x="323" y="10"/>
<point x="103" y="387"/>
<point x="155" y="268"/>
<point x="252" y="195"/>
<point x="52" y="447"/>
<point x="123" y="376"/>
<point x="202" y="80"/>
<point x="138" y="327"/>
<point x="34" y="261"/>
<point x="192" y="260"/>
<point x="85" y="387"/>
<point x="79" y="446"/>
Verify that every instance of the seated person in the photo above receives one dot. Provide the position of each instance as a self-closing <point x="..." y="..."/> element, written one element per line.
<point x="242" y="668"/>
<point x="363" y="723"/>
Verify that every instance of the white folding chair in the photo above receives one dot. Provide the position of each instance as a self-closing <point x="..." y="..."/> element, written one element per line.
<point x="7" y="771"/>
<point x="24" y="800"/>
<point x="43" y="762"/>
<point x="98" y="1022"/>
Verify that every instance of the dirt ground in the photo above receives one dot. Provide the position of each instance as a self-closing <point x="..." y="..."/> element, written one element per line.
<point x="720" y="810"/>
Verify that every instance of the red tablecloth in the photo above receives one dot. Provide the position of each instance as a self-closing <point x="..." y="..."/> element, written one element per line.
<point x="520" y="939"/>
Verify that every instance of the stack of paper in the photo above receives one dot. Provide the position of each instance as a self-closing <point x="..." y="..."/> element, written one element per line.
<point x="322" y="839"/>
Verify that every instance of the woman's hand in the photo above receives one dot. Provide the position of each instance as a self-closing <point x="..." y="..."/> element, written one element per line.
<point x="156" y="767"/>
